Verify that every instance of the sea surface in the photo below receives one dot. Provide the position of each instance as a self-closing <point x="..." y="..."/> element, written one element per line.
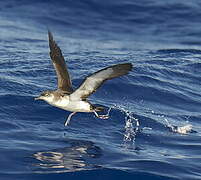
<point x="154" y="129"/>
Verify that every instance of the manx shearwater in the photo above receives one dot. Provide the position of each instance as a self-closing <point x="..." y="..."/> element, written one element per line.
<point x="65" y="97"/>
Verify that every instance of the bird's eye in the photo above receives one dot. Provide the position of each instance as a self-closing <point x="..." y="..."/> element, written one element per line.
<point x="45" y="94"/>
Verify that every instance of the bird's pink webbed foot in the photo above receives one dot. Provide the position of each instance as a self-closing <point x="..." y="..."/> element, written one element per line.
<point x="103" y="116"/>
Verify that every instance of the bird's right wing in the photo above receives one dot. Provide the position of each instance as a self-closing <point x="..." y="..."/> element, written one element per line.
<point x="94" y="81"/>
<point x="63" y="77"/>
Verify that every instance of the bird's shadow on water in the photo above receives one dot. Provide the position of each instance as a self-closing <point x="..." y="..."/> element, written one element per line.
<point x="79" y="155"/>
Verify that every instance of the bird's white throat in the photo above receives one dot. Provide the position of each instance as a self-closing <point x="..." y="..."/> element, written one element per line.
<point x="61" y="102"/>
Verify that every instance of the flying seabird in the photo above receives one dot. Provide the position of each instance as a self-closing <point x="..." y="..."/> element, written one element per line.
<point x="65" y="97"/>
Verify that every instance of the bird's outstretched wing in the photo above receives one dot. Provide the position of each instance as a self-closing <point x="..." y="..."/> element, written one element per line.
<point x="63" y="77"/>
<point x="94" y="81"/>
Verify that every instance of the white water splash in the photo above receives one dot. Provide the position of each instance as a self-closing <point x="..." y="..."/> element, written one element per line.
<point x="180" y="129"/>
<point x="131" y="125"/>
<point x="184" y="129"/>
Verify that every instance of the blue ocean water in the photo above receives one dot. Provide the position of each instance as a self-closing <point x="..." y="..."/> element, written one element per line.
<point x="154" y="129"/>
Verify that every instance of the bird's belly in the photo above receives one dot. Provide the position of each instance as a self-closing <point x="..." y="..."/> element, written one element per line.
<point x="75" y="106"/>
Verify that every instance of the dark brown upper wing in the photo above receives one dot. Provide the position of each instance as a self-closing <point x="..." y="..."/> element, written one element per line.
<point x="94" y="81"/>
<point x="63" y="77"/>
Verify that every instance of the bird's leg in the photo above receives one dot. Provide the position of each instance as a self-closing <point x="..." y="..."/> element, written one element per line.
<point x="68" y="119"/>
<point x="105" y="116"/>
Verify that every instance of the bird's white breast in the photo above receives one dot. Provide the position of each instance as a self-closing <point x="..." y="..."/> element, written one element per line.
<point x="74" y="106"/>
<point x="79" y="106"/>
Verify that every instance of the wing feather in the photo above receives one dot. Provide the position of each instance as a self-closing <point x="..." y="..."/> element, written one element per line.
<point x="63" y="77"/>
<point x="94" y="81"/>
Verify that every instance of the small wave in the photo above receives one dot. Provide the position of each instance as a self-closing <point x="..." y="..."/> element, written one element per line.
<point x="191" y="51"/>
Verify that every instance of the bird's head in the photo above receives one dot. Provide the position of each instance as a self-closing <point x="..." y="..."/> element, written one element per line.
<point x="47" y="96"/>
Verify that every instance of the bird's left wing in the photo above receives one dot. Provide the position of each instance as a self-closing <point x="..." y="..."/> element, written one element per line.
<point x="94" y="81"/>
<point x="63" y="77"/>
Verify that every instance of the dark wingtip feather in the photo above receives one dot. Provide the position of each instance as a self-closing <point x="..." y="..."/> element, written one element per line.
<point x="55" y="51"/>
<point x="51" y="40"/>
<point x="121" y="69"/>
<point x="127" y="66"/>
<point x="50" y="35"/>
